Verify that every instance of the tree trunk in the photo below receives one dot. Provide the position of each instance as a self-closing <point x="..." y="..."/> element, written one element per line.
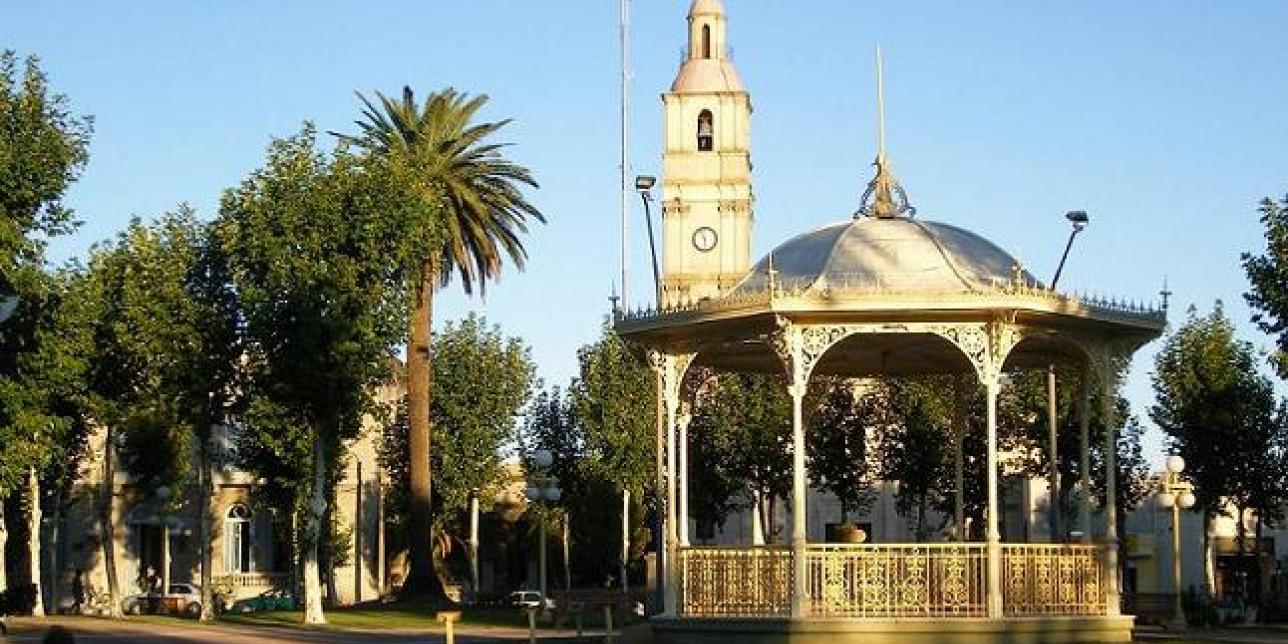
<point x="34" y="550"/>
<point x="757" y="520"/>
<point x="203" y="531"/>
<point x="55" y="558"/>
<point x="421" y="579"/>
<point x="106" y="525"/>
<point x="4" y="541"/>
<point x="1209" y="574"/>
<point x="328" y="552"/>
<point x="313" y="613"/>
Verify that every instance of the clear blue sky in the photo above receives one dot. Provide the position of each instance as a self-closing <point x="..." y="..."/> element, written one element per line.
<point x="1164" y="120"/>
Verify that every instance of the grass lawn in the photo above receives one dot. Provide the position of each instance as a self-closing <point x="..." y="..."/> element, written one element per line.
<point x="410" y="615"/>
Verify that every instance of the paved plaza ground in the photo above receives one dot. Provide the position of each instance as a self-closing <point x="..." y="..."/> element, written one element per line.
<point x="148" y="631"/>
<point x="95" y="630"/>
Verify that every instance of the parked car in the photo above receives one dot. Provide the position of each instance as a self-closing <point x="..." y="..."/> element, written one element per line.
<point x="273" y="599"/>
<point x="531" y="599"/>
<point x="182" y="598"/>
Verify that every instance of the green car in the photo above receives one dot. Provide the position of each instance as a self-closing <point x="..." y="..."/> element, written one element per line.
<point x="269" y="600"/>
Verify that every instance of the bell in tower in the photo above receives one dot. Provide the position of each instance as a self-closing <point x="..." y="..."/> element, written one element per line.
<point x="706" y="167"/>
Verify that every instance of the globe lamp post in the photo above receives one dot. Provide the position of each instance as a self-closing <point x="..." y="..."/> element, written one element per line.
<point x="1176" y="495"/>
<point x="543" y="489"/>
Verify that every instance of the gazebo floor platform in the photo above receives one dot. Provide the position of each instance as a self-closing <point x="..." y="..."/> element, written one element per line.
<point x="1009" y="630"/>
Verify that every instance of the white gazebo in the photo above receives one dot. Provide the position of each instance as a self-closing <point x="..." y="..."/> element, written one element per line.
<point x="887" y="293"/>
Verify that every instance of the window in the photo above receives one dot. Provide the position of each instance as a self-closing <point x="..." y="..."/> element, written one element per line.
<point x="706" y="132"/>
<point x="706" y="41"/>
<point x="238" y="537"/>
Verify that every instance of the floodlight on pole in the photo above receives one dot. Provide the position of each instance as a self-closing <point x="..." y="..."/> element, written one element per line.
<point x="644" y="185"/>
<point x="1079" y="220"/>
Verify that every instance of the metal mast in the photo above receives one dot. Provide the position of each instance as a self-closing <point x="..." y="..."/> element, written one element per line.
<point x="624" y="35"/>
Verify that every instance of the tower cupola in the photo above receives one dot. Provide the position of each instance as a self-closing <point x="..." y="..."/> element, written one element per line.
<point x="706" y="166"/>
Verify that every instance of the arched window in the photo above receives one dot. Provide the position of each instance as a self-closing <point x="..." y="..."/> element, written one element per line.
<point x="706" y="131"/>
<point x="238" y="537"/>
<point x="706" y="41"/>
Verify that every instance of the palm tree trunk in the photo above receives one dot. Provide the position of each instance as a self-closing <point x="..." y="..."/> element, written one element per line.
<point x="107" y="526"/>
<point x="313" y="613"/>
<point x="421" y="579"/>
<point x="34" y="551"/>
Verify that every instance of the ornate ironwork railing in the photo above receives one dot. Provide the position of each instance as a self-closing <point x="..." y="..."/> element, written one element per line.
<point x="906" y="580"/>
<point x="885" y="581"/>
<point x="735" y="582"/>
<point x="254" y="580"/>
<point x="1052" y="579"/>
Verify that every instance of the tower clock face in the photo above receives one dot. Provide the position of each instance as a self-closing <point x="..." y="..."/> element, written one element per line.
<point x="704" y="239"/>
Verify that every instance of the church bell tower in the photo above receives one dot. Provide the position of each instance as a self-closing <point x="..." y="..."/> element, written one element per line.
<point x="706" y="167"/>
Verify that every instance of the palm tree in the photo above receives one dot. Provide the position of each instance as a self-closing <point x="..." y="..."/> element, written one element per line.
<point x="478" y="212"/>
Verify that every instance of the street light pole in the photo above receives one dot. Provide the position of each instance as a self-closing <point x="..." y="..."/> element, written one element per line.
<point x="1177" y="495"/>
<point x="1079" y="220"/>
<point x="644" y="184"/>
<point x="544" y="488"/>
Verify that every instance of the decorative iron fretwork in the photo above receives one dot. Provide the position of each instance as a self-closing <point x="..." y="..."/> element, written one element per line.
<point x="885" y="581"/>
<point x="1052" y="579"/>
<point x="985" y="345"/>
<point x="735" y="582"/>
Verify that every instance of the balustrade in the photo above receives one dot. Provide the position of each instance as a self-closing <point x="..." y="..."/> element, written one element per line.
<point x="735" y="582"/>
<point x="885" y="581"/>
<point x="1052" y="579"/>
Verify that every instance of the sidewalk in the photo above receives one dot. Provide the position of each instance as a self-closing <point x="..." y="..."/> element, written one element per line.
<point x="1258" y="634"/>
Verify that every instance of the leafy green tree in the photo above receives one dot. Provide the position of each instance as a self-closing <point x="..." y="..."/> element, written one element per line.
<point x="484" y="379"/>
<point x="1268" y="276"/>
<point x="916" y="449"/>
<point x="316" y="245"/>
<point x="613" y="406"/>
<point x="476" y="215"/>
<point x="751" y="414"/>
<point x="166" y="360"/>
<point x="43" y="148"/>
<point x="837" y="442"/>
<point x="1218" y="411"/>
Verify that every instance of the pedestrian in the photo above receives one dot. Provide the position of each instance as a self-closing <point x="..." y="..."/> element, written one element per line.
<point x="78" y="592"/>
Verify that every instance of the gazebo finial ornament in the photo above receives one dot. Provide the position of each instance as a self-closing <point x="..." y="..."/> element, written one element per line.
<point x="884" y="197"/>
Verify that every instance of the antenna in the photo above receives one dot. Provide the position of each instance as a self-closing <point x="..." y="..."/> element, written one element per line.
<point x="624" y="36"/>
<point x="880" y="106"/>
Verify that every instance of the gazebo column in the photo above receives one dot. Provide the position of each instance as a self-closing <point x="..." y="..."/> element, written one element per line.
<point x="1084" y="457"/>
<point x="1109" y="401"/>
<point x="1053" y="482"/>
<point x="800" y="569"/>
<point x="672" y="534"/>
<point x="682" y="429"/>
<point x="669" y="369"/>
<point x="993" y="536"/>
<point x="960" y="412"/>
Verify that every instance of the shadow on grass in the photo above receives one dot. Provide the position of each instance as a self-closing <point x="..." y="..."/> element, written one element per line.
<point x="409" y="614"/>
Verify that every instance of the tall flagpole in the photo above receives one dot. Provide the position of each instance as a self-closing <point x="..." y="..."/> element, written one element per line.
<point x="624" y="36"/>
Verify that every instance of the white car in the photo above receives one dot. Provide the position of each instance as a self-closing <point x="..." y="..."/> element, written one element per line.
<point x="182" y="598"/>
<point x="531" y="599"/>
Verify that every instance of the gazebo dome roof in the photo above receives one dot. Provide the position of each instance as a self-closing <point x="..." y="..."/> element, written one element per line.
<point x="899" y="254"/>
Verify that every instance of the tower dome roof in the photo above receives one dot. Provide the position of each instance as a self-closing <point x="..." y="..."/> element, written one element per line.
<point x="706" y="7"/>
<point x="886" y="254"/>
<point x="707" y="75"/>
